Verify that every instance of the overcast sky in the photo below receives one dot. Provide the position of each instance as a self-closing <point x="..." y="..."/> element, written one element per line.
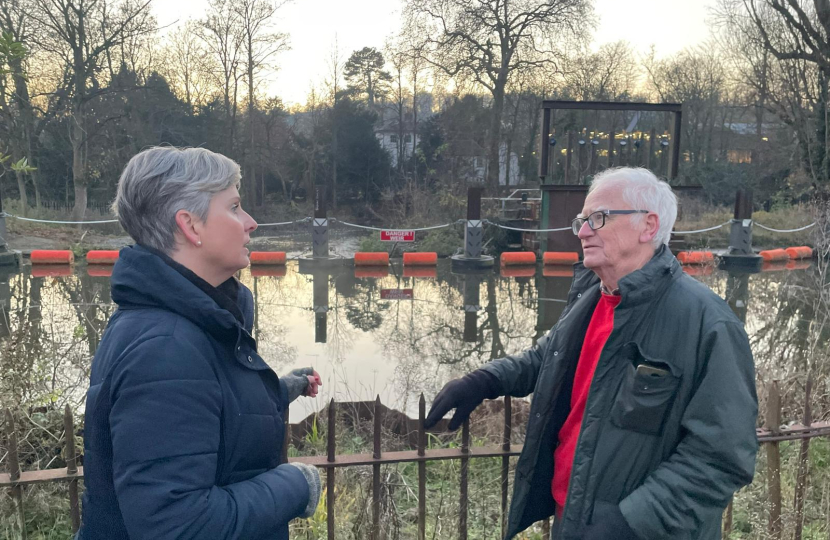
<point x="313" y="24"/>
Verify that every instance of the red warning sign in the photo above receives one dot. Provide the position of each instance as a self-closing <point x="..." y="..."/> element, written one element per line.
<point x="396" y="294"/>
<point x="397" y="235"/>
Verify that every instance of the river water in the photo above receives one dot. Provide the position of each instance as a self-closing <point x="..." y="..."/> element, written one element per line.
<point x="377" y="333"/>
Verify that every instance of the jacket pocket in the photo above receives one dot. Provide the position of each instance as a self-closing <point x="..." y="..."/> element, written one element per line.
<point x="645" y="396"/>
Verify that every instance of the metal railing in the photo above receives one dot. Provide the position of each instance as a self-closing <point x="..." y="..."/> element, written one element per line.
<point x="16" y="480"/>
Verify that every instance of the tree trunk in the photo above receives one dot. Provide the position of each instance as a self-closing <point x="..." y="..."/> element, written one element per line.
<point x="495" y="134"/>
<point x="21" y="186"/>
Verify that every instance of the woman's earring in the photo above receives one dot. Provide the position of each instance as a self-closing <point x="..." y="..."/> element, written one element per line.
<point x="199" y="243"/>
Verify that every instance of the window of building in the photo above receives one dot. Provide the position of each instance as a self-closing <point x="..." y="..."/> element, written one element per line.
<point x="393" y="138"/>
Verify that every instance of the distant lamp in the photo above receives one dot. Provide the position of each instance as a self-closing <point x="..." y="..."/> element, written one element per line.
<point x="664" y="142"/>
<point x="623" y="142"/>
<point x="595" y="142"/>
<point x="581" y="142"/>
<point x="765" y="139"/>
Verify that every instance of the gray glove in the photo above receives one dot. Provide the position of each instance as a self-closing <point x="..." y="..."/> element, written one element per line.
<point x="312" y="476"/>
<point x="297" y="382"/>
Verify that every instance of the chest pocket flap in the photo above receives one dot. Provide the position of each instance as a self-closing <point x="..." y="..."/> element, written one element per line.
<point x="646" y="394"/>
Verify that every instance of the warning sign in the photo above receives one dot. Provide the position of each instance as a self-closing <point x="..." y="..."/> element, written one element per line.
<point x="396" y="294"/>
<point x="397" y="235"/>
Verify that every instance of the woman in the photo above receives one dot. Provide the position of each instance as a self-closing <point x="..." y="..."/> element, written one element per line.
<point x="184" y="420"/>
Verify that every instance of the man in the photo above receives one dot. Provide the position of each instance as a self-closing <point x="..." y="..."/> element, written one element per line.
<point x="642" y="424"/>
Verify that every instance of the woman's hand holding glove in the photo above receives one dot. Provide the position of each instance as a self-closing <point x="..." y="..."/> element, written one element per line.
<point x="302" y="382"/>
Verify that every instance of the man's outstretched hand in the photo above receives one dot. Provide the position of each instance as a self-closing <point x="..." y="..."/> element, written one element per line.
<point x="463" y="395"/>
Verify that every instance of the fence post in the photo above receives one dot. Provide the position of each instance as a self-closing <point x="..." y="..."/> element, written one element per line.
<point x="773" y="423"/>
<point x="376" y="453"/>
<point x="674" y="157"/>
<point x="568" y="157"/>
<point x="803" y="463"/>
<point x="331" y="451"/>
<point x="16" y="491"/>
<point x="740" y="234"/>
<point x="611" y="138"/>
<point x="422" y="471"/>
<point x="72" y="468"/>
<point x="463" y="492"/>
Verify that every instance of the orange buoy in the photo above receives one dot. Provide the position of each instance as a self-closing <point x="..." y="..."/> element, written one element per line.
<point x="558" y="271"/>
<point x="695" y="257"/>
<point x="800" y="264"/>
<point x="371" y="271"/>
<point x="52" y="256"/>
<point x="102" y="257"/>
<point x="371" y="259"/>
<point x="514" y="270"/>
<point x="510" y="258"/>
<point x="420" y="272"/>
<point x="99" y="270"/>
<point x="560" y="257"/>
<point x="774" y="255"/>
<point x="429" y="258"/>
<point x="773" y="266"/>
<point x="699" y="270"/>
<point x="267" y="257"/>
<point x="800" y="252"/>
<point x="51" y="270"/>
<point x="272" y="270"/>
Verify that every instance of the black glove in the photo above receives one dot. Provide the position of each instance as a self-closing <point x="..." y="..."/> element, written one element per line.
<point x="463" y="395"/>
<point x="612" y="527"/>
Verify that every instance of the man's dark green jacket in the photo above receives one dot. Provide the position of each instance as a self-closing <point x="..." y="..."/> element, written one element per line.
<point x="669" y="450"/>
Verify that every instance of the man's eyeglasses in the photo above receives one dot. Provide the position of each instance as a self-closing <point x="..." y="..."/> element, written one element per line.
<point x="596" y="220"/>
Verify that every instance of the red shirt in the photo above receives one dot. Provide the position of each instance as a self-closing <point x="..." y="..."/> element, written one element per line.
<point x="602" y="322"/>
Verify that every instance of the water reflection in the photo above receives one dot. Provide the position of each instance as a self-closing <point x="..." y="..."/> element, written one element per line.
<point x="395" y="335"/>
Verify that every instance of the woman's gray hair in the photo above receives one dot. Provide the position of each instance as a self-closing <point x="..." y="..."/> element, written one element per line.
<point x="160" y="181"/>
<point x="642" y="191"/>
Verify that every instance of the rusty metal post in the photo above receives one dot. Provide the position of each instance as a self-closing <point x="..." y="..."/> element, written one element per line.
<point x="803" y="476"/>
<point x="544" y="148"/>
<point x="422" y="471"/>
<point x="376" y="453"/>
<point x="331" y="450"/>
<point x="13" y="464"/>
<point x="611" y="138"/>
<point x="773" y="424"/>
<point x="652" y="135"/>
<point x="71" y="468"/>
<point x="568" y="157"/>
<point x="286" y="439"/>
<point x="727" y="520"/>
<point x="505" y="461"/>
<point x="465" y="471"/>
<point x="674" y="156"/>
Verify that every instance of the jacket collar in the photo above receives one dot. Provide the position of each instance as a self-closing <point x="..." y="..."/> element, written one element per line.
<point x="141" y="278"/>
<point x="639" y="286"/>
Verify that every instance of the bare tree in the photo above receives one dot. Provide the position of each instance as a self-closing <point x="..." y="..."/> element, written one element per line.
<point x="609" y="74"/>
<point x="259" y="44"/>
<point x="222" y="33"/>
<point x="83" y="32"/>
<point x="188" y="65"/>
<point x="489" y="41"/>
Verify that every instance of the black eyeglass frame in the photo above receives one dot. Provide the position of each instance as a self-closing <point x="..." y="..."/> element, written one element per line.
<point x="576" y="224"/>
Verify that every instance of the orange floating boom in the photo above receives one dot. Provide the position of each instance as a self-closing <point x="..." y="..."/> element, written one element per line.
<point x="371" y="271"/>
<point x="268" y="257"/>
<point x="420" y="272"/>
<point x="371" y="259"/>
<point x="429" y="258"/>
<point x="273" y="270"/>
<point x="99" y="270"/>
<point x="558" y="271"/>
<point x="51" y="270"/>
<point x="800" y="252"/>
<point x="518" y="271"/>
<point x="695" y="257"/>
<point x="51" y="256"/>
<point x="560" y="257"/>
<point x="775" y="255"/>
<point x="102" y="257"/>
<point x="517" y="258"/>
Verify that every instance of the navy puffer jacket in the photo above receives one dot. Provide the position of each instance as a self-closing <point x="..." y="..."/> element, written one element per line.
<point x="184" y="421"/>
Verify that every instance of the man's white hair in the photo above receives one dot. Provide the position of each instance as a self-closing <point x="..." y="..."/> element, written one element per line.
<point x="641" y="190"/>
